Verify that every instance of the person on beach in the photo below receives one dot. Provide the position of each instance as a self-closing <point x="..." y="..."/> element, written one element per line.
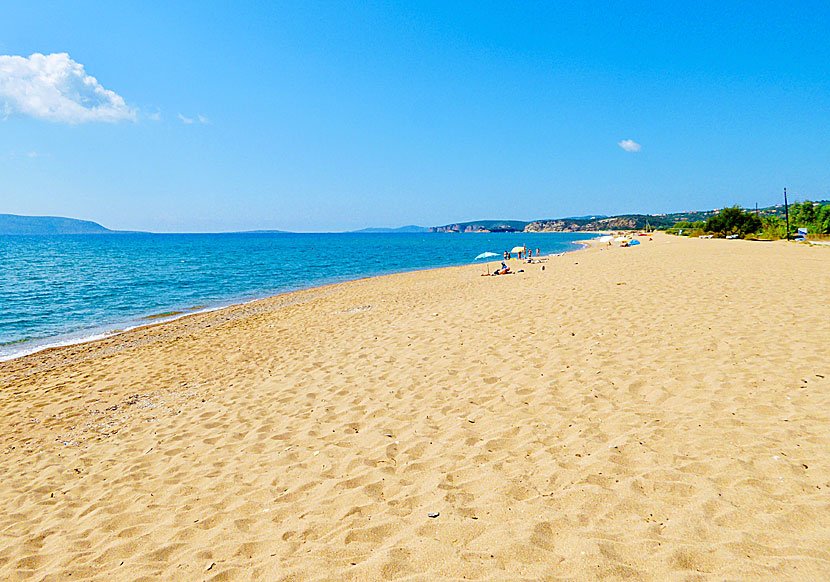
<point x="537" y="253"/>
<point x="503" y="271"/>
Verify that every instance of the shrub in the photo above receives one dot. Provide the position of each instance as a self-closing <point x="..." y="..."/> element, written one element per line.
<point x="733" y="220"/>
<point x="773" y="227"/>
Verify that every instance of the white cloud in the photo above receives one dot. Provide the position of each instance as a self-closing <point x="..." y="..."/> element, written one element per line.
<point x="30" y="154"/>
<point x="629" y="145"/>
<point x="56" y="88"/>
<point x="200" y="118"/>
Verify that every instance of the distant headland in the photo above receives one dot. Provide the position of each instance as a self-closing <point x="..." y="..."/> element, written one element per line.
<point x="16" y="224"/>
<point x="598" y="222"/>
<point x="44" y="225"/>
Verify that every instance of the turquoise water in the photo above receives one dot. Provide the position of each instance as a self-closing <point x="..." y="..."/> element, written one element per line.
<point x="63" y="289"/>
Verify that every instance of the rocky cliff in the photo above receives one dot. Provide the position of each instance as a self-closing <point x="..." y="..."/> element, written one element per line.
<point x="633" y="222"/>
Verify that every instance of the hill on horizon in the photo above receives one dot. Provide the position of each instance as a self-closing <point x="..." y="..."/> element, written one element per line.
<point x="404" y="229"/>
<point x="17" y="224"/>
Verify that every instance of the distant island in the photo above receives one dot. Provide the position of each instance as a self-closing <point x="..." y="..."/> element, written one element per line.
<point x="16" y="224"/>
<point x="270" y="231"/>
<point x="405" y="229"/>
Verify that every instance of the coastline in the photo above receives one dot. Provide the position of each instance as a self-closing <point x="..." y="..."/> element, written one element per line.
<point x="106" y="331"/>
<point x="648" y="413"/>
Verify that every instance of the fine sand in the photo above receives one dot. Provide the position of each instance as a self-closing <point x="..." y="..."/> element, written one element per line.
<point x="654" y="413"/>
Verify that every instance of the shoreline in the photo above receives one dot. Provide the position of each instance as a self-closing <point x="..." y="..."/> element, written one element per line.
<point x="98" y="333"/>
<point x="649" y="413"/>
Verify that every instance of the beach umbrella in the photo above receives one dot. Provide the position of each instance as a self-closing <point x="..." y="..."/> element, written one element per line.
<point x="606" y="238"/>
<point x="487" y="255"/>
<point x="517" y="250"/>
<point x="620" y="239"/>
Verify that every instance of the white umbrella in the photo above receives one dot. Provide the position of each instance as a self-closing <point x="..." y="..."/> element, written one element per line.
<point x="620" y="239"/>
<point x="487" y="255"/>
<point x="606" y="238"/>
<point x="517" y="250"/>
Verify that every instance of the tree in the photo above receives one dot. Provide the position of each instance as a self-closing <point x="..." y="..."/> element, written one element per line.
<point x="804" y="213"/>
<point x="823" y="220"/>
<point x="733" y="220"/>
<point x="816" y="218"/>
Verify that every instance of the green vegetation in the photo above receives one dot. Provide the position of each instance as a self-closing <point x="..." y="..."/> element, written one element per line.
<point x="815" y="217"/>
<point x="728" y="222"/>
<point x="767" y="223"/>
<point x="687" y="228"/>
<point x="733" y="221"/>
<point x="773" y="227"/>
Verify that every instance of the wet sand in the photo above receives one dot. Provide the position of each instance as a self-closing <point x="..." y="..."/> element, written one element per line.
<point x="653" y="413"/>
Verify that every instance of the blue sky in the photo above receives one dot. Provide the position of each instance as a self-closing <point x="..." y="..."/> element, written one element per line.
<point x="335" y="116"/>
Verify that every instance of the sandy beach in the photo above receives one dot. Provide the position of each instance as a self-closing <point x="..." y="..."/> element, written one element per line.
<point x="654" y="413"/>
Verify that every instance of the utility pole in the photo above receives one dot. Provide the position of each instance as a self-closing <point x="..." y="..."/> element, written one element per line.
<point x="787" y="213"/>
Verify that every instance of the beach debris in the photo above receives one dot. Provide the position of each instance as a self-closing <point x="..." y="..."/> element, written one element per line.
<point x="211" y="565"/>
<point x="433" y="514"/>
<point x="435" y="314"/>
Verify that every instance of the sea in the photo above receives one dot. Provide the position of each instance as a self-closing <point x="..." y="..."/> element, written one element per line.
<point x="63" y="289"/>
